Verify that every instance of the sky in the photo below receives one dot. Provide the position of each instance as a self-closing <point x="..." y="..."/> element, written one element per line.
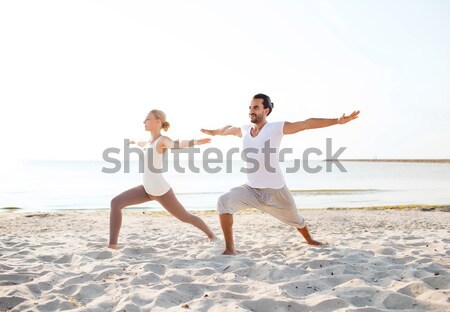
<point x="77" y="77"/>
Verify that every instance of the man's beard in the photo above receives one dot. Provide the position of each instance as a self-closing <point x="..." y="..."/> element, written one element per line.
<point x="256" y="118"/>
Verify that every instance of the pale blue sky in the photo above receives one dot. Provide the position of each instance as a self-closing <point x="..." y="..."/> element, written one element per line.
<point x="77" y="77"/>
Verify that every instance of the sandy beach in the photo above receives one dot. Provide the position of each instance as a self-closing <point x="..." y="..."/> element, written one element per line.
<point x="375" y="260"/>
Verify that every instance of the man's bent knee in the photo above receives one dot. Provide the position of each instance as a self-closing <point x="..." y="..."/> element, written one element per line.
<point x="224" y="204"/>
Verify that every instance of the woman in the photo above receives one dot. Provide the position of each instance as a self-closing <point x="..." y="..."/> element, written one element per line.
<point x="155" y="186"/>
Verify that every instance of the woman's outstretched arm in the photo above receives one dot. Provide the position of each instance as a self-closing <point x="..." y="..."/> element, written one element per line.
<point x="168" y="143"/>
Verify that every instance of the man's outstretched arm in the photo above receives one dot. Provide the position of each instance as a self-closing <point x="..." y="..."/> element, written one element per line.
<point x="227" y="130"/>
<point x="315" y="123"/>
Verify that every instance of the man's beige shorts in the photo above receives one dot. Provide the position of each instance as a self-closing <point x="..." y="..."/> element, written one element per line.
<point x="277" y="202"/>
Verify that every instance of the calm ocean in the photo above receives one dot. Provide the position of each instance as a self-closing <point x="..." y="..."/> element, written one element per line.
<point x="57" y="185"/>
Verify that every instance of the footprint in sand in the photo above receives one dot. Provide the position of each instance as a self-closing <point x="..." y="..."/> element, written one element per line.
<point x="146" y="279"/>
<point x="438" y="282"/>
<point x="7" y="303"/>
<point x="155" y="268"/>
<point x="105" y="254"/>
<point x="272" y="305"/>
<point x="64" y="259"/>
<point x="414" y="289"/>
<point x="399" y="301"/>
<point x="109" y="273"/>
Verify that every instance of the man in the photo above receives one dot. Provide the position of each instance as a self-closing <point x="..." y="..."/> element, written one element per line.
<point x="266" y="188"/>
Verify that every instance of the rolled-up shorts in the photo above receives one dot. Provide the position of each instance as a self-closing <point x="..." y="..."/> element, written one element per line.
<point x="276" y="202"/>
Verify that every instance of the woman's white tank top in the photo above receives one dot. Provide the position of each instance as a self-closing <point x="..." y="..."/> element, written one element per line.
<point x="154" y="182"/>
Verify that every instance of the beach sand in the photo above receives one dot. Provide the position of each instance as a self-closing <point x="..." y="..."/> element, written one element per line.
<point x="376" y="260"/>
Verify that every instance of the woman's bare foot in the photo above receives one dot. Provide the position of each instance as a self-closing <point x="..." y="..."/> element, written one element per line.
<point x="113" y="246"/>
<point x="212" y="238"/>
<point x="229" y="252"/>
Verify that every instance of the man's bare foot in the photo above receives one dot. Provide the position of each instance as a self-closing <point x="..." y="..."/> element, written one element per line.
<point x="229" y="252"/>
<point x="314" y="243"/>
<point x="113" y="246"/>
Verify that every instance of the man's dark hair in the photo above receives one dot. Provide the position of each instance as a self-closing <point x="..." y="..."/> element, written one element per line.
<point x="267" y="103"/>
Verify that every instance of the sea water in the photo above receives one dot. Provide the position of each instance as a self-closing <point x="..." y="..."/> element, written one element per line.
<point x="58" y="185"/>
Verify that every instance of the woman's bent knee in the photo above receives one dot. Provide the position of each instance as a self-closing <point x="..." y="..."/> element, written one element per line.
<point x="116" y="204"/>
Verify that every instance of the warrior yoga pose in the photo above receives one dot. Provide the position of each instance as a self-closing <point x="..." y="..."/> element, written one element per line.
<point x="155" y="186"/>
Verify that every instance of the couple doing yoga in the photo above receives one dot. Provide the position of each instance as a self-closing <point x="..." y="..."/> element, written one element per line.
<point x="265" y="188"/>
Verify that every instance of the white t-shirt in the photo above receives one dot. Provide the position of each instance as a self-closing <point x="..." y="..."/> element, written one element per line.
<point x="263" y="169"/>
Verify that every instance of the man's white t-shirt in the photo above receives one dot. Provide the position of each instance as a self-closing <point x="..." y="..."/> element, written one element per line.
<point x="263" y="169"/>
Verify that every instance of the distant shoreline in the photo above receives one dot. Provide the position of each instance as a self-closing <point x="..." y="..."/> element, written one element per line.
<point x="144" y="210"/>
<point x="438" y="161"/>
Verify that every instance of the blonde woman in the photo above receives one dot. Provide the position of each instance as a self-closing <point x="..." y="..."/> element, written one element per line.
<point x="155" y="187"/>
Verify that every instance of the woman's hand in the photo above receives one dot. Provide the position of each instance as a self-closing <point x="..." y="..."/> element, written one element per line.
<point x="202" y="141"/>
<point x="210" y="132"/>
<point x="166" y="142"/>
